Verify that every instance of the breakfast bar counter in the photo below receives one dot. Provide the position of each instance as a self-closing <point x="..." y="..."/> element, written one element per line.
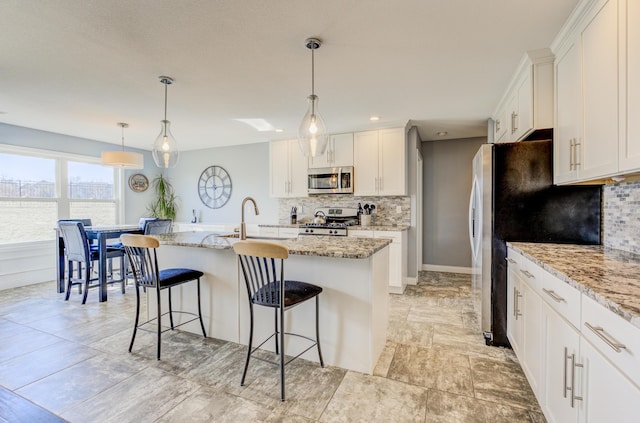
<point x="353" y="273"/>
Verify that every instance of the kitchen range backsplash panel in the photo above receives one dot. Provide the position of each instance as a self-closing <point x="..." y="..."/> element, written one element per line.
<point x="386" y="207"/>
<point x="621" y="223"/>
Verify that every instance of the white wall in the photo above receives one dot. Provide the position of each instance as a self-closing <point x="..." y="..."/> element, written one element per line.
<point x="248" y="167"/>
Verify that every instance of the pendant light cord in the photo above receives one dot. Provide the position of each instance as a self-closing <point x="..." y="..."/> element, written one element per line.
<point x="164" y="124"/>
<point x="122" y="126"/>
<point x="313" y="91"/>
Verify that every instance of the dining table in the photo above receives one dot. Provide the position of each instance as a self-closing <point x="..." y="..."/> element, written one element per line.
<point x="100" y="234"/>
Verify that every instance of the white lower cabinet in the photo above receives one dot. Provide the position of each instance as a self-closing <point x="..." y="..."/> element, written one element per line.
<point x="561" y="345"/>
<point x="397" y="255"/>
<point x="580" y="358"/>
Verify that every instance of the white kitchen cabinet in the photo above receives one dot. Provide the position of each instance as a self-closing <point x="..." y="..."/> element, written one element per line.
<point x="360" y="233"/>
<point x="278" y="232"/>
<point x="561" y="343"/>
<point x="592" y="102"/>
<point x="607" y="395"/>
<point x="598" y="151"/>
<point x="514" y="301"/>
<point x="568" y="115"/>
<point x="379" y="159"/>
<point x="339" y="152"/>
<point x="397" y="259"/>
<point x="287" y="169"/>
<point x="629" y="150"/>
<point x="527" y="104"/>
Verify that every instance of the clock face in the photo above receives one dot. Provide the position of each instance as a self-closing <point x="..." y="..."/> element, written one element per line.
<point x="214" y="187"/>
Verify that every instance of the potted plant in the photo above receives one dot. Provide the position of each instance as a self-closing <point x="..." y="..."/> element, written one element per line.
<point x="165" y="204"/>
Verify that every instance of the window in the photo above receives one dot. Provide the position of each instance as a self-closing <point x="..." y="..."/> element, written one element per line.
<point x="38" y="187"/>
<point x="91" y="192"/>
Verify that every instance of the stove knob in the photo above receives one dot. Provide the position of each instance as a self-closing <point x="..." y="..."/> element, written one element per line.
<point x="332" y="231"/>
<point x="310" y="230"/>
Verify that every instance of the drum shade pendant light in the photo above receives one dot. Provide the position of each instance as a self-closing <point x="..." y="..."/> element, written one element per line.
<point x="165" y="149"/>
<point x="124" y="159"/>
<point x="312" y="134"/>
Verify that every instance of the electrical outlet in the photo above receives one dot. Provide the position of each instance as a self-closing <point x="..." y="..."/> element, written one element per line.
<point x="398" y="209"/>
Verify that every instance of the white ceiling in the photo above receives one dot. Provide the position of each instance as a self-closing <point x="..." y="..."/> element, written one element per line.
<point x="79" y="67"/>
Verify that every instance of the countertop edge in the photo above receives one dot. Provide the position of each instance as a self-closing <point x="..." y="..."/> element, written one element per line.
<point x="611" y="305"/>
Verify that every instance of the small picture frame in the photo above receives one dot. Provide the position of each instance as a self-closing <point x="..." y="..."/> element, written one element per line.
<point x="138" y="182"/>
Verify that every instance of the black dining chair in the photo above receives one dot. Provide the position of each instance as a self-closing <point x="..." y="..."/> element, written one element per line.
<point x="78" y="251"/>
<point x="262" y="265"/>
<point x="141" y="251"/>
<point x="157" y="226"/>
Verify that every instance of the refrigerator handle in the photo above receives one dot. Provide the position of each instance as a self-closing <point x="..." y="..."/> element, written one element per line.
<point x="472" y="229"/>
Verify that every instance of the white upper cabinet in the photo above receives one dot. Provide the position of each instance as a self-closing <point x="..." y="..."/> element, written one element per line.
<point x="630" y="86"/>
<point x="379" y="160"/>
<point x="287" y="169"/>
<point x="527" y="103"/>
<point x="605" y="36"/>
<point x="339" y="152"/>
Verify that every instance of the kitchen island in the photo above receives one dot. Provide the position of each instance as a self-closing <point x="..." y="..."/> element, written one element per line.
<point x="354" y="306"/>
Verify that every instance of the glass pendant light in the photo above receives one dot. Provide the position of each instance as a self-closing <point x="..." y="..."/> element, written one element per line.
<point x="124" y="159"/>
<point x="312" y="134"/>
<point x="165" y="148"/>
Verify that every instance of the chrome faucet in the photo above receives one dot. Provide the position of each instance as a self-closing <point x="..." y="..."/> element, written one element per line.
<point x="243" y="227"/>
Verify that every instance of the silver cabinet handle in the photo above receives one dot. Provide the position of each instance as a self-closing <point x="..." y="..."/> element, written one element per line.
<point x="515" y="122"/>
<point x="598" y="330"/>
<point x="576" y="162"/>
<point x="565" y="388"/>
<point x="527" y="274"/>
<point x="497" y="126"/>
<point x="510" y="260"/>
<point x="574" y="397"/>
<point x="552" y="294"/>
<point x="571" y="145"/>
<point x="516" y="303"/>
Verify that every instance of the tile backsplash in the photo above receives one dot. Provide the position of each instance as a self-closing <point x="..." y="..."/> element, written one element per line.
<point x="386" y="207"/>
<point x="621" y="217"/>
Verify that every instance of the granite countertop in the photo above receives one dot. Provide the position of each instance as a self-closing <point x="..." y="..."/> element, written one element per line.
<point x="321" y="246"/>
<point x="355" y="228"/>
<point x="609" y="276"/>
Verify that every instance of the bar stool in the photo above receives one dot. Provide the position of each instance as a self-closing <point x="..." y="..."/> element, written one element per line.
<point x="268" y="288"/>
<point x="141" y="251"/>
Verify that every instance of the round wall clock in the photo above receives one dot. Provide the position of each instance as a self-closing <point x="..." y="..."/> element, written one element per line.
<point x="214" y="187"/>
<point x="138" y="182"/>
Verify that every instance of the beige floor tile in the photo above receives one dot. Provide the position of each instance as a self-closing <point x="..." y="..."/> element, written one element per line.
<point x="374" y="399"/>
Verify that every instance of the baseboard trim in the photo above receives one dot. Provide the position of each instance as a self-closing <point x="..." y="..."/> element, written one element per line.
<point x="447" y="269"/>
<point x="411" y="280"/>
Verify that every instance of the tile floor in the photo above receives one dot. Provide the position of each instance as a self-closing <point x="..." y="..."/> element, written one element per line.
<point x="72" y="361"/>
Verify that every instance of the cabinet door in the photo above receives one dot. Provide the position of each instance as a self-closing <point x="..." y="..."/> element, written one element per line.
<point x="598" y="151"/>
<point x="365" y="162"/>
<point x="297" y="171"/>
<point x="523" y="120"/>
<point x="279" y="168"/>
<point x="392" y="167"/>
<point x="324" y="160"/>
<point x="568" y="120"/>
<point x="561" y="342"/>
<point x="500" y="125"/>
<point x="630" y="142"/>
<point x="531" y="340"/>
<point x="514" y="313"/>
<point x="342" y="150"/>
<point x="608" y="396"/>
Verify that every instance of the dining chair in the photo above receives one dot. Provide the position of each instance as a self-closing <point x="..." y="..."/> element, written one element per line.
<point x="262" y="266"/>
<point x="157" y="226"/>
<point x="141" y="251"/>
<point x="78" y="251"/>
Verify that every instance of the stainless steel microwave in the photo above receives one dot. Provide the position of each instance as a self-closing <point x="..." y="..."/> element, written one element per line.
<point x="330" y="180"/>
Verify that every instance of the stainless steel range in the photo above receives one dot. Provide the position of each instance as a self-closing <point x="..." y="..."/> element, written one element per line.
<point x="336" y="221"/>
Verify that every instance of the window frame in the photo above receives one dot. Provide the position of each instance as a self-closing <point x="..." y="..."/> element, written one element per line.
<point x="61" y="198"/>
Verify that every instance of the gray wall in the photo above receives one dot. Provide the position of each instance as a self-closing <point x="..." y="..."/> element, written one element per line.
<point x="33" y="138"/>
<point x="447" y="185"/>
<point x="248" y="167"/>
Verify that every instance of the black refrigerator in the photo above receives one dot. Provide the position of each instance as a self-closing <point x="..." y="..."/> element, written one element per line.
<point x="513" y="199"/>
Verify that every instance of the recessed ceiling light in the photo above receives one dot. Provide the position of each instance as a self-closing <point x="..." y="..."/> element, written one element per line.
<point x="279" y="130"/>
<point x="441" y="133"/>
<point x="374" y="118"/>
<point x="259" y="124"/>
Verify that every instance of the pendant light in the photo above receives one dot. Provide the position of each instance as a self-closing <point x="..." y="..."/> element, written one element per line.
<point x="312" y="134"/>
<point x="165" y="149"/>
<point x="124" y="159"/>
